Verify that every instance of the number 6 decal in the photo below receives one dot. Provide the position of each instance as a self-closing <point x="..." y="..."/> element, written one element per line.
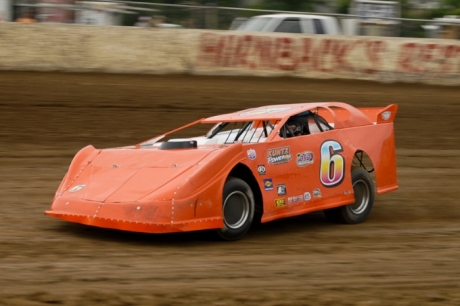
<point x="332" y="169"/>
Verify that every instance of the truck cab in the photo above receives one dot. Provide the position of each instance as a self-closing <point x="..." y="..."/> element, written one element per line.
<point x="292" y="23"/>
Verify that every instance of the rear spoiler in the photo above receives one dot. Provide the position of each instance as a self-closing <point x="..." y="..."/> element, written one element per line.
<point x="387" y="114"/>
<point x="381" y="115"/>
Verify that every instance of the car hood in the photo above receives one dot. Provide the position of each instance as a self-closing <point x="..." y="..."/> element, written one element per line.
<point x="125" y="175"/>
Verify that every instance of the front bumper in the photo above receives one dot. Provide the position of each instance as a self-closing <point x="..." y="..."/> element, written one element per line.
<point x="146" y="217"/>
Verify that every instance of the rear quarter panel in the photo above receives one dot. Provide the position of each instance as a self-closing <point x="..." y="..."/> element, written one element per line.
<point x="378" y="142"/>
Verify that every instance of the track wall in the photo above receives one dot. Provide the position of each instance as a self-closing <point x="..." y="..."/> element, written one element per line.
<point x="160" y="51"/>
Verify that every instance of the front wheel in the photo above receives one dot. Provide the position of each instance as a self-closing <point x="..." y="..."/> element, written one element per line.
<point x="357" y="212"/>
<point x="237" y="209"/>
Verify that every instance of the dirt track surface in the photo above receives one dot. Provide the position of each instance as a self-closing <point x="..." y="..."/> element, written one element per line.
<point x="407" y="253"/>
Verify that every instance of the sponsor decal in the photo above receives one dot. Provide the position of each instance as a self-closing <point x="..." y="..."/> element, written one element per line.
<point x="261" y="169"/>
<point x="386" y="115"/>
<point x="281" y="202"/>
<point x="317" y="193"/>
<point x="279" y="155"/>
<point x="304" y="158"/>
<point x="77" y="188"/>
<point x="252" y="154"/>
<point x="281" y="189"/>
<point x="295" y="199"/>
<point x="268" y="110"/>
<point x="307" y="196"/>
<point x="268" y="184"/>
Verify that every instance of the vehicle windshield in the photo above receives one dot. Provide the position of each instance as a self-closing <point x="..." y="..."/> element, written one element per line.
<point x="220" y="133"/>
<point x="254" y="24"/>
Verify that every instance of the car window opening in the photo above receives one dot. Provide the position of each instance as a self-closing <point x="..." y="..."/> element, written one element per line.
<point x="304" y="124"/>
<point x="219" y="128"/>
<point x="242" y="130"/>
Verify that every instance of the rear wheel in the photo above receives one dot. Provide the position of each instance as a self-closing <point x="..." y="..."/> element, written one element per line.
<point x="237" y="209"/>
<point x="358" y="211"/>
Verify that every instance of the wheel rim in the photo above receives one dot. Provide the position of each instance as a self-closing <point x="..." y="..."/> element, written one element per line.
<point x="236" y="209"/>
<point x="362" y="195"/>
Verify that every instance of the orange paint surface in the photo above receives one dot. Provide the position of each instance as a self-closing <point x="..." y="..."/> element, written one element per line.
<point x="147" y="188"/>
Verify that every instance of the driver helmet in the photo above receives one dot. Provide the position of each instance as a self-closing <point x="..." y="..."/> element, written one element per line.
<point x="294" y="126"/>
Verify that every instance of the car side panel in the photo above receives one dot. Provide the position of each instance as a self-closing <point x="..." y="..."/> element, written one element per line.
<point x="303" y="174"/>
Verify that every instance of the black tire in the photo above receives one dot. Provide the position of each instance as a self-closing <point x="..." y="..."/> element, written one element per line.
<point x="237" y="209"/>
<point x="357" y="212"/>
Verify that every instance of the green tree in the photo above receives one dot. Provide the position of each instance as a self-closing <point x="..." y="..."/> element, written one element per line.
<point x="285" y="5"/>
<point x="343" y="6"/>
<point x="448" y="7"/>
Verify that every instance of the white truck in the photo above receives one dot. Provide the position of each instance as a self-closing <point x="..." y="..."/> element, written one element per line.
<point x="371" y="17"/>
<point x="292" y="23"/>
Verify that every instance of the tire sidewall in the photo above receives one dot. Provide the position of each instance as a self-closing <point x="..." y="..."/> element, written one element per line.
<point x="235" y="184"/>
<point x="348" y="215"/>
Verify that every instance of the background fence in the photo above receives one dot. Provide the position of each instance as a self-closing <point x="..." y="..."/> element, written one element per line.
<point x="224" y="18"/>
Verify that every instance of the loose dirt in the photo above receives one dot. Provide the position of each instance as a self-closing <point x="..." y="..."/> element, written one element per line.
<point x="407" y="253"/>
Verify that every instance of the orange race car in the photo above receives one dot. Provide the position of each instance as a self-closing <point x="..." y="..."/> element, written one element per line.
<point x="269" y="162"/>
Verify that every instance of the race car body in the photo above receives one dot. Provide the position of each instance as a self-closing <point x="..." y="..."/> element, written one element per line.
<point x="269" y="162"/>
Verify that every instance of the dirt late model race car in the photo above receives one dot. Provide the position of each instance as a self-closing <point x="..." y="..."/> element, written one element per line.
<point x="269" y="162"/>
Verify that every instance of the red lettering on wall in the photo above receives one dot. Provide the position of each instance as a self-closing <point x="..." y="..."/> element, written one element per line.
<point x="374" y="50"/>
<point x="448" y="54"/>
<point x="285" y="54"/>
<point x="434" y="58"/>
<point x="406" y="57"/>
<point x="327" y="55"/>
<point x="341" y="50"/>
<point x="306" y="47"/>
<point x="265" y="53"/>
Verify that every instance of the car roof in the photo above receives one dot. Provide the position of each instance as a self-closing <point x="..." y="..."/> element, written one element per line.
<point x="336" y="111"/>
<point x="292" y="15"/>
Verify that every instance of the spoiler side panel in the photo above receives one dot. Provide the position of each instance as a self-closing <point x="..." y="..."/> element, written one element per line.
<point x="380" y="114"/>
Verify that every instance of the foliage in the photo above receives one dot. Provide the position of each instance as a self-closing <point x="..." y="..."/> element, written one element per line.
<point x="343" y="6"/>
<point x="448" y="7"/>
<point x="287" y="5"/>
<point x="174" y="14"/>
<point x="232" y="3"/>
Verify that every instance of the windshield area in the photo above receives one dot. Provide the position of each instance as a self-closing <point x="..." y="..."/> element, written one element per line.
<point x="246" y="132"/>
<point x="254" y="24"/>
<point x="220" y="133"/>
